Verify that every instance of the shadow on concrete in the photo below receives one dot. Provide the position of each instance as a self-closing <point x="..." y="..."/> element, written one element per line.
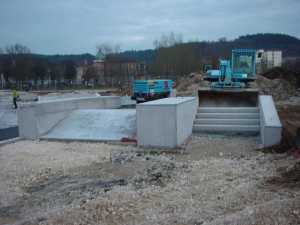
<point x="9" y="133"/>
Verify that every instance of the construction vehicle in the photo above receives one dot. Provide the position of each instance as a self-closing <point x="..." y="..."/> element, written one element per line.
<point x="207" y="67"/>
<point x="230" y="84"/>
<point x="147" y="90"/>
<point x="229" y="104"/>
<point x="236" y="73"/>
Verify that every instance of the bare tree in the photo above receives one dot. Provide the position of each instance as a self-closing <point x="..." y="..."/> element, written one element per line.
<point x="108" y="49"/>
<point x="168" y="40"/>
<point x="90" y="73"/>
<point x="18" y="64"/>
<point x="17" y="49"/>
<point x="222" y="39"/>
<point x="117" y="48"/>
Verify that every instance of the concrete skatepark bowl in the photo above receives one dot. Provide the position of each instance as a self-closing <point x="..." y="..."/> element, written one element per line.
<point x="95" y="125"/>
<point x="166" y="123"/>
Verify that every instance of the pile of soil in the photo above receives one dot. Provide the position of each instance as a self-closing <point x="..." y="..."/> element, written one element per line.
<point x="281" y="73"/>
<point x="279" y="82"/>
<point x="187" y="85"/>
<point x="290" y="119"/>
<point x="281" y="85"/>
<point x="290" y="177"/>
<point x="280" y="89"/>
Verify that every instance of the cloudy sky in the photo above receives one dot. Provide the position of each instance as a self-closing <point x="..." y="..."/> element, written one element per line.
<point x="78" y="26"/>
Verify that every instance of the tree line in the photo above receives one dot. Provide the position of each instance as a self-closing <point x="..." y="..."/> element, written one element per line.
<point x="19" y="67"/>
<point x="171" y="57"/>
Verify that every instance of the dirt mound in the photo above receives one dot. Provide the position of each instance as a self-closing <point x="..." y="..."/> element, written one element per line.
<point x="281" y="85"/>
<point x="280" y="89"/>
<point x="280" y="73"/>
<point x="289" y="178"/>
<point x="290" y="118"/>
<point x="187" y="85"/>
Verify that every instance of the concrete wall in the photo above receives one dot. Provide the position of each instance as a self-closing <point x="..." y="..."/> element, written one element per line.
<point x="166" y="122"/>
<point x="36" y="119"/>
<point x="270" y="125"/>
<point x="65" y="96"/>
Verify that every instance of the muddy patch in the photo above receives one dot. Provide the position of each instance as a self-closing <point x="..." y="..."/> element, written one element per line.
<point x="288" y="177"/>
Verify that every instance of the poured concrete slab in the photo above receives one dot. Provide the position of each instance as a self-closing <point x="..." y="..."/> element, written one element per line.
<point x="96" y="125"/>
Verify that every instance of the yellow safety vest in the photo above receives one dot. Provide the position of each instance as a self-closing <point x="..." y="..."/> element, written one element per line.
<point x="14" y="93"/>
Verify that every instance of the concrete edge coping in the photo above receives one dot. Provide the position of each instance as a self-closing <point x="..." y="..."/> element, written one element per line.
<point x="273" y="110"/>
<point x="66" y="100"/>
<point x="189" y="99"/>
<point x="273" y="126"/>
<point x="78" y="140"/>
<point x="70" y="140"/>
<point x="10" y="141"/>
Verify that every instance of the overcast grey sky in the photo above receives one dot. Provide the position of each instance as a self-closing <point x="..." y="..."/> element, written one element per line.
<point x="77" y="26"/>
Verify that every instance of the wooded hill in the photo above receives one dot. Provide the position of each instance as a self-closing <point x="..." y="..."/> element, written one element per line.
<point x="290" y="46"/>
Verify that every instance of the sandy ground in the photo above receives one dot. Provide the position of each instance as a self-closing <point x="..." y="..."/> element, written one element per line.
<point x="216" y="180"/>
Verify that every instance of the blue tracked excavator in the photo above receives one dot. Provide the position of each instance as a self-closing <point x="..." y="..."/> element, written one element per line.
<point x="230" y="83"/>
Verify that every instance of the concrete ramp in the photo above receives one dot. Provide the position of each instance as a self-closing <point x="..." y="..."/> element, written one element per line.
<point x="95" y="125"/>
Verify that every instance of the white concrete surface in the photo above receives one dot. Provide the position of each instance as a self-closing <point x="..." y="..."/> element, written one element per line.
<point x="8" y="115"/>
<point x="127" y="101"/>
<point x="64" y="96"/>
<point x="270" y="125"/>
<point x="36" y="119"/>
<point x="227" y="119"/>
<point x="235" y="128"/>
<point x="167" y="122"/>
<point x="8" y="118"/>
<point x="96" y="125"/>
<point x="168" y="101"/>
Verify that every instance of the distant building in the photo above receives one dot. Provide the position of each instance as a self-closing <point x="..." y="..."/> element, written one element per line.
<point x="113" y="70"/>
<point x="120" y="70"/>
<point x="268" y="59"/>
<point x="99" y="65"/>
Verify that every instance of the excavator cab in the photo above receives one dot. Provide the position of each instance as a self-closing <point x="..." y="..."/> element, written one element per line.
<point x="243" y="65"/>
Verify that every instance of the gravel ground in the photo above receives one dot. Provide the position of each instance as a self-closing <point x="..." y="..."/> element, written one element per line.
<point x="217" y="180"/>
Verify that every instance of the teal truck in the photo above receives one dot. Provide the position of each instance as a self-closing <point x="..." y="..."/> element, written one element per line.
<point x="147" y="90"/>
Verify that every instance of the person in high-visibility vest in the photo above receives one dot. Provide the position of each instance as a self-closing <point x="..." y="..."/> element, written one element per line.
<point x="15" y="97"/>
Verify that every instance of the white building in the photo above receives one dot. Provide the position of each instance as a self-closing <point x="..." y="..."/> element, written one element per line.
<point x="268" y="59"/>
<point x="273" y="59"/>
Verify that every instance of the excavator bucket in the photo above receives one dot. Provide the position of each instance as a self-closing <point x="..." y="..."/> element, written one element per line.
<point x="210" y="97"/>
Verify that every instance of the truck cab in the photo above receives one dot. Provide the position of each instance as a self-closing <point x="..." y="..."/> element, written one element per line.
<point x="148" y="90"/>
